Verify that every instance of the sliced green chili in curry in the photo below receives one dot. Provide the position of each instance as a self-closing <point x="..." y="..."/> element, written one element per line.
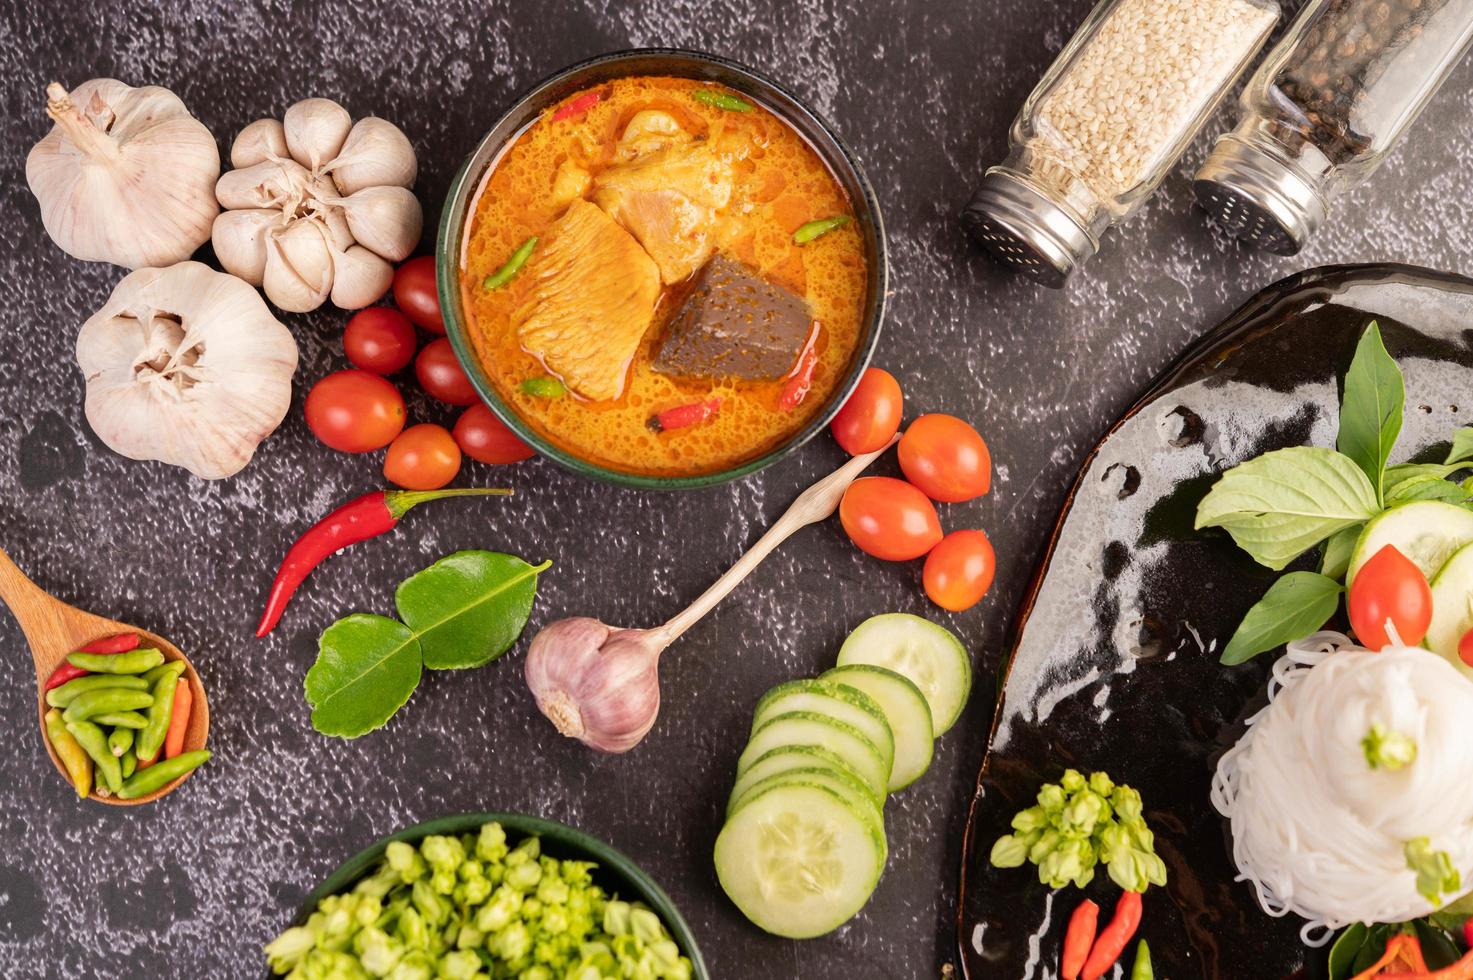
<point x="508" y="272"/>
<point x="817" y="229"/>
<point x="722" y="100"/>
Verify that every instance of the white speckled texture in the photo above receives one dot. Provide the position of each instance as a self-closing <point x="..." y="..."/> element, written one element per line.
<point x="924" y="91"/>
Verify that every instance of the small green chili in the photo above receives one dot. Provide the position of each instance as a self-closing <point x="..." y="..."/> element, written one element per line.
<point x="120" y="719"/>
<point x="129" y="763"/>
<point x="94" y="743"/>
<point x="544" y="388"/>
<point x="132" y="662"/>
<point x="508" y="272"/>
<point x="721" y="100"/>
<point x="1142" y="970"/>
<point x="120" y="740"/>
<point x="817" y="229"/>
<point x="103" y="701"/>
<point x="60" y="697"/>
<point x="151" y="739"/>
<point x="161" y="774"/>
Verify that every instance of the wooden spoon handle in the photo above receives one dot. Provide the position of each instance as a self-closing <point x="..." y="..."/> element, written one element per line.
<point x="815" y="504"/>
<point x="50" y="625"/>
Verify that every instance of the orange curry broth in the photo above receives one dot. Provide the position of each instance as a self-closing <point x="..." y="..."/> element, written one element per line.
<point x="780" y="185"/>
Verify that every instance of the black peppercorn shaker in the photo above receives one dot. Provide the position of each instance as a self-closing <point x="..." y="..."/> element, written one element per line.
<point x="1325" y="109"/>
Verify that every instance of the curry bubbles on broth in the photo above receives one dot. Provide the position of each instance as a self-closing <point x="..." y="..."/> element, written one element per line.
<point x="663" y="224"/>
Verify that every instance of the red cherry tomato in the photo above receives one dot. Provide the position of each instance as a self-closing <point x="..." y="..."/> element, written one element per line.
<point x="424" y="457"/>
<point x="959" y="570"/>
<point x="871" y="416"/>
<point x="1465" y="653"/>
<point x="945" y="458"/>
<point x="1390" y="587"/>
<point x="889" y="519"/>
<point x="416" y="295"/>
<point x="379" y="339"/>
<point x="441" y="375"/>
<point x="355" y="411"/>
<point x="485" y="438"/>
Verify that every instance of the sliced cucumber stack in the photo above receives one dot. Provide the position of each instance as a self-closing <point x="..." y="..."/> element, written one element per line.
<point x="846" y="704"/>
<point x="929" y="655"/>
<point x="812" y="728"/>
<point x="906" y="710"/>
<point x="1452" y="607"/>
<point x="1426" y="531"/>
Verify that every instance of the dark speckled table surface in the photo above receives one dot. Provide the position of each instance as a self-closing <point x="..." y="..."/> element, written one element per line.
<point x="924" y="91"/>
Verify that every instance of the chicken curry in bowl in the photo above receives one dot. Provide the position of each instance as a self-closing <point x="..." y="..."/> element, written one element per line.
<point x="662" y="277"/>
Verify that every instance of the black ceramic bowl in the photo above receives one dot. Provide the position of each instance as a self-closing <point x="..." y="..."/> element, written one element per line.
<point x="460" y="202"/>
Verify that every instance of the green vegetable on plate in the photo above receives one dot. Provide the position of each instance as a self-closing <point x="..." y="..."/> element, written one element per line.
<point x="808" y="231"/>
<point x="721" y="100"/>
<point x="543" y="388"/>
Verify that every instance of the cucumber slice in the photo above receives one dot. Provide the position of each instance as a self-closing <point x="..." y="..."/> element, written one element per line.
<point x="812" y="728"/>
<point x="799" y="859"/>
<point x="790" y="757"/>
<point x="848" y="705"/>
<point x="930" y="656"/>
<point x="1452" y="607"/>
<point x="905" y="707"/>
<point x="841" y="781"/>
<point x="1426" y="531"/>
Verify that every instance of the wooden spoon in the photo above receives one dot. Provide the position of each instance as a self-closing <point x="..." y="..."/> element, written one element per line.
<point x="55" y="629"/>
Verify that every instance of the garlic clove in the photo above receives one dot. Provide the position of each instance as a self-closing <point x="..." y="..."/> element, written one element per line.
<point x="125" y="176"/>
<point x="262" y="140"/>
<point x="594" y="683"/>
<point x="315" y="131"/>
<point x="359" y="277"/>
<point x="376" y="152"/>
<point x="273" y="184"/>
<point x="186" y="365"/>
<point x="239" y="239"/>
<point x="386" y="219"/>
<point x="298" y="275"/>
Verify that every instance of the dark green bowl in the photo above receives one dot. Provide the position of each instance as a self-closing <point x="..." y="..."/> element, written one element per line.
<point x="683" y="64"/>
<point x="616" y="873"/>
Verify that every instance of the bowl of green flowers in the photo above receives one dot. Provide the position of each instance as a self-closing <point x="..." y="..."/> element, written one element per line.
<point x="481" y="895"/>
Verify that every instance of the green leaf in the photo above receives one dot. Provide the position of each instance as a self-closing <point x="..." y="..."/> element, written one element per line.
<point x="1425" y="488"/>
<point x="1343" y="953"/>
<point x="1370" y="951"/>
<point x="1294" y="607"/>
<point x="1462" y="450"/>
<point x="468" y="608"/>
<point x="367" y="666"/>
<point x="1285" y="502"/>
<point x="1438" y="951"/>
<point x="1452" y="915"/>
<point x="1371" y="407"/>
<point x="1339" y="549"/>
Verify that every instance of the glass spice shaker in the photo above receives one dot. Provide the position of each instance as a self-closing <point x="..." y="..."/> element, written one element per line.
<point x="1325" y="110"/>
<point x="1111" y="116"/>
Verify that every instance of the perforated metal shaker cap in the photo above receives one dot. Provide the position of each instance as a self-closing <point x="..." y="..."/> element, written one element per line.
<point x="1259" y="197"/>
<point x="1026" y="231"/>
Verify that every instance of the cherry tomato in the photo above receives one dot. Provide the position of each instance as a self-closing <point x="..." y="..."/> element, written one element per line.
<point x="424" y="457"/>
<point x="355" y="411"/>
<point x="485" y="438"/>
<point x="871" y="416"/>
<point x="1465" y="653"/>
<point x="959" y="570"/>
<point x="945" y="458"/>
<point x="441" y="375"/>
<point x="1390" y="587"/>
<point x="889" y="519"/>
<point x="379" y="339"/>
<point x="414" y="291"/>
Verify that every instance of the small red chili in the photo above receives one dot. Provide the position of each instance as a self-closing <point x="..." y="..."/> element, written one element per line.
<point x="801" y="379"/>
<point x="578" y="106"/>
<point x="1468" y="932"/>
<point x="684" y="416"/>
<point x="120" y="643"/>
<point x="1116" y="935"/>
<point x="1405" y="950"/>
<point x="358" y="520"/>
<point x="1079" y="938"/>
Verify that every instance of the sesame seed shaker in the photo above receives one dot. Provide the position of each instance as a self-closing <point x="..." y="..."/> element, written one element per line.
<point x="1108" y="120"/>
<point x="1325" y="109"/>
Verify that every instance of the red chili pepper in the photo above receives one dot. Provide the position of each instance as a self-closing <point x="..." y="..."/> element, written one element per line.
<point x="578" y="106"/>
<point x="121" y="643"/>
<point x="1405" y="950"/>
<point x="1116" y="935"/>
<point x="1468" y="932"/>
<point x="684" y="416"/>
<point x="801" y="378"/>
<point x="1079" y="938"/>
<point x="358" y="520"/>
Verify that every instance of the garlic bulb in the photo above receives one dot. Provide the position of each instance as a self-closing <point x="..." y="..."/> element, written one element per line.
<point x="126" y="175"/>
<point x="186" y="365"/>
<point x="597" y="684"/>
<point x="338" y="202"/>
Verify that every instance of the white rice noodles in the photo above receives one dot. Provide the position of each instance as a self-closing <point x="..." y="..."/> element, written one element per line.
<point x="1316" y="830"/>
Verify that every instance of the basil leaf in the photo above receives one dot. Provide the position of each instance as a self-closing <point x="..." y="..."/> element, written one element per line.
<point x="1406" y="471"/>
<point x="367" y="666"/>
<point x="1462" y="450"/>
<point x="1343" y="953"/>
<point x="1438" y="951"/>
<point x="1294" y="607"/>
<point x="1371" y="407"/>
<point x="1285" y="502"/>
<point x="1339" y="549"/>
<point x="1425" y="488"/>
<point x="1375" y="945"/>
<point x="468" y="608"/>
<point x="1452" y="915"/>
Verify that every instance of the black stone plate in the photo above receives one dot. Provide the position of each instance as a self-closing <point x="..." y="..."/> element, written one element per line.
<point x="1115" y="664"/>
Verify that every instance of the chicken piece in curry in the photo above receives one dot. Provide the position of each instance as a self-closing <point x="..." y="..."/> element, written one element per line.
<point x="664" y="291"/>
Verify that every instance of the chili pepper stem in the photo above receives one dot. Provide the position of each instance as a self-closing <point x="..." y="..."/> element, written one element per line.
<point x="399" y="502"/>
